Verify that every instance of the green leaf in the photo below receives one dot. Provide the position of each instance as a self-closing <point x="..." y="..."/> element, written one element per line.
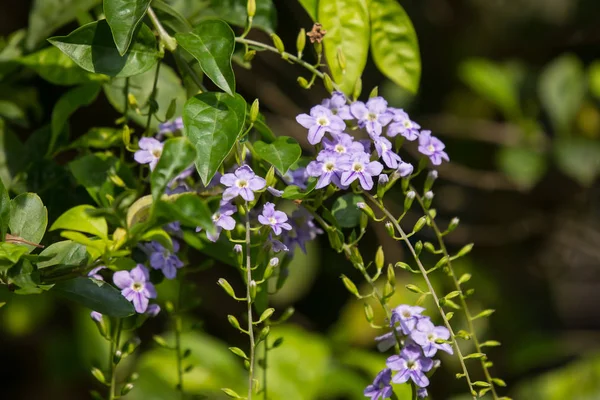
<point x="524" y="166"/>
<point x="293" y="192"/>
<point x="347" y="25"/>
<point x="4" y="210"/>
<point x="493" y="82"/>
<point x="346" y="211"/>
<point x="96" y="295"/>
<point x="160" y="236"/>
<point x="46" y="16"/>
<point x="311" y="7"/>
<point x="212" y="43"/>
<point x="79" y="219"/>
<point x="177" y="155"/>
<point x="10" y="253"/>
<point x="92" y="48"/>
<point x="561" y="90"/>
<point x="213" y="122"/>
<point x="394" y="44"/>
<point x="123" y="17"/>
<point x="140" y="86"/>
<point x="26" y="278"/>
<point x="28" y="218"/>
<point x="98" y="138"/>
<point x="67" y="105"/>
<point x="594" y="79"/>
<point x="234" y="12"/>
<point x="282" y="153"/>
<point x="189" y="209"/>
<point x="12" y="155"/>
<point x="58" y="68"/>
<point x="65" y="252"/>
<point x="578" y="158"/>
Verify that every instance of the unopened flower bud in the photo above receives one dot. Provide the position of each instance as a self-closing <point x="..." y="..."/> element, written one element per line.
<point x="383" y="179"/>
<point x="302" y="82"/>
<point x="328" y="83"/>
<point x="251" y="8"/>
<point x="237" y="248"/>
<point x="379" y="258"/>
<point x="405" y="169"/>
<point x="254" y="110"/>
<point x="274" y="262"/>
<point x="278" y="43"/>
<point x="453" y="224"/>
<point x="408" y="200"/>
<point x="431" y="177"/>
<point x="366" y="209"/>
<point x="249" y="56"/>
<point x="374" y="92"/>
<point x="126" y="389"/>
<point x="418" y="247"/>
<point x="252" y="287"/>
<point x="390" y="228"/>
<point x="357" y="88"/>
<point x="301" y="42"/>
<point x="427" y="199"/>
<point x="264" y="333"/>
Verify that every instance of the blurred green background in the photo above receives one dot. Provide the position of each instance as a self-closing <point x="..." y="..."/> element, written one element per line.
<point x="512" y="87"/>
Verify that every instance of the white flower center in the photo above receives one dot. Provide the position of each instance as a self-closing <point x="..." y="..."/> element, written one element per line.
<point x="412" y="365"/>
<point x="339" y="148"/>
<point x="156" y="152"/>
<point x="430" y="148"/>
<point x="137" y="286"/>
<point x="216" y="217"/>
<point x="407" y="124"/>
<point x="384" y="148"/>
<point x="372" y="116"/>
<point x="406" y="314"/>
<point x="328" y="166"/>
<point x="431" y="337"/>
<point x="358" y="167"/>
<point x="241" y="183"/>
<point x="272" y="220"/>
<point x="323" y="121"/>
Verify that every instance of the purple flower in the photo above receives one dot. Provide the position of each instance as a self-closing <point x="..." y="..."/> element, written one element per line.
<point x="384" y="150"/>
<point x="135" y="285"/>
<point x="410" y="364"/>
<point x="96" y="316"/>
<point x="170" y="127"/>
<point x="405" y="169"/>
<point x="94" y="273"/>
<point x="163" y="259"/>
<point x="277" y="246"/>
<point x="403" y="125"/>
<point x="387" y="340"/>
<point x="360" y="167"/>
<point x="149" y="153"/>
<point x="338" y="105"/>
<point x="243" y="182"/>
<point x="342" y="143"/>
<point x="320" y="121"/>
<point x="303" y="230"/>
<point x="238" y="248"/>
<point x="432" y="147"/>
<point x="153" y="310"/>
<point x="277" y="220"/>
<point x="373" y="116"/>
<point x="223" y="220"/>
<point x="275" y="192"/>
<point x="426" y="336"/>
<point x="328" y="168"/>
<point x="381" y="387"/>
<point x="422" y="393"/>
<point x="383" y="179"/>
<point x="174" y="228"/>
<point x="297" y="177"/>
<point x="407" y="316"/>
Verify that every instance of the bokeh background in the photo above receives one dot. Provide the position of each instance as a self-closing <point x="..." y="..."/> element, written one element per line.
<point x="512" y="87"/>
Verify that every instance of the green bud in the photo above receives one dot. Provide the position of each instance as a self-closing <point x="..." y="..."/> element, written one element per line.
<point x="357" y="89"/>
<point x="464" y="278"/>
<point x="264" y="333"/>
<point x="301" y="42"/>
<point x="389" y="227"/>
<point x="132" y="100"/>
<point x="350" y="286"/>
<point x="251" y="8"/>
<point x="328" y="83"/>
<point x="117" y="356"/>
<point x="231" y="393"/>
<point x="97" y="373"/>
<point x="388" y="290"/>
<point x="355" y="256"/>
<point x="254" y="110"/>
<point x="130" y="346"/>
<point x="227" y="287"/>
<point x="453" y="224"/>
<point x="318" y="48"/>
<point x="159" y="340"/>
<point x="286" y="315"/>
<point x="408" y="200"/>
<point x="126" y="136"/>
<point x="234" y="322"/>
<point x="268" y="271"/>
<point x="249" y="56"/>
<point x="169" y="306"/>
<point x="334" y="239"/>
<point x="483" y="314"/>
<point x="266" y="314"/>
<point x="418" y="247"/>
<point x="278" y="342"/>
<point x="391" y="275"/>
<point x="126" y="389"/>
<point x="278" y="43"/>
<point x="302" y="82"/>
<point x="238" y="352"/>
<point x="414" y="288"/>
<point x="428" y="245"/>
<point x="186" y="353"/>
<point x="420" y="224"/>
<point x="363" y="221"/>
<point x="252" y="287"/>
<point x="368" y="312"/>
<point x="465" y="250"/>
<point x="379" y="258"/>
<point x="374" y="92"/>
<point x="364" y="207"/>
<point x="431" y="177"/>
<point x="427" y="199"/>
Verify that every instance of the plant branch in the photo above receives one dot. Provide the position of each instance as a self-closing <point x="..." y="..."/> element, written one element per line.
<point x="429" y="286"/>
<point x="249" y="300"/>
<point x="114" y="345"/>
<point x="178" y="329"/>
<point x="167" y="40"/>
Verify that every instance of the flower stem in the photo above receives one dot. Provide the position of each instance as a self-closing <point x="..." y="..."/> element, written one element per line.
<point x="429" y="286"/>
<point x="152" y="97"/>
<point x="114" y="345"/>
<point x="266" y="352"/>
<point x="167" y="40"/>
<point x="250" y="300"/>
<point x="178" y="329"/>
<point x="463" y="301"/>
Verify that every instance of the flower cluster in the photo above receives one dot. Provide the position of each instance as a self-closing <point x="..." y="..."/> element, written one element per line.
<point x="421" y="340"/>
<point x="343" y="160"/>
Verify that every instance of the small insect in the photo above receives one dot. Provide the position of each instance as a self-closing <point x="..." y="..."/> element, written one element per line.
<point x="317" y="33"/>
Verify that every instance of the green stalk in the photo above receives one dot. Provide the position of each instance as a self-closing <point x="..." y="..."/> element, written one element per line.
<point x="114" y="345"/>
<point x="249" y="302"/>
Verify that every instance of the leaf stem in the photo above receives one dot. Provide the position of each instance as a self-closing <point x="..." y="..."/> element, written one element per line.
<point x="249" y="300"/>
<point x="167" y="40"/>
<point x="429" y="286"/>
<point x="463" y="301"/>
